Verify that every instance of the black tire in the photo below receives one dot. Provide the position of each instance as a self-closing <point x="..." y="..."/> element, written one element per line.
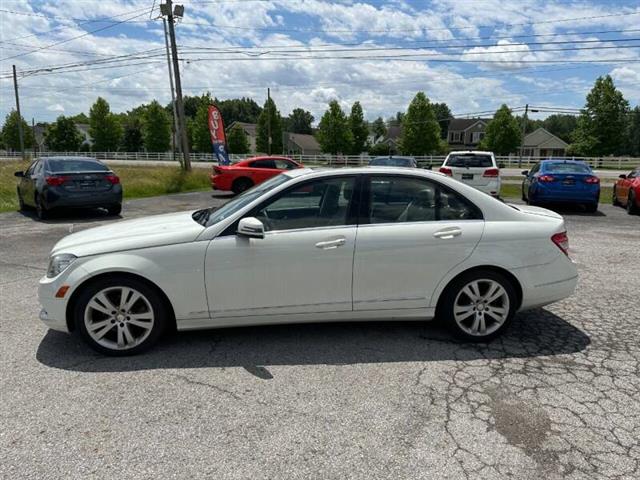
<point x="115" y="209"/>
<point x="592" y="207"/>
<point x="240" y="185"/>
<point x="41" y="210"/>
<point x="632" y="209"/>
<point x="614" y="198"/>
<point x="524" y="198"/>
<point x="155" y="300"/>
<point x="21" y="206"/>
<point x="453" y="290"/>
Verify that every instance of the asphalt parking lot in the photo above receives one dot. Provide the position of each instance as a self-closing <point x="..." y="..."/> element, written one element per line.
<point x="557" y="397"/>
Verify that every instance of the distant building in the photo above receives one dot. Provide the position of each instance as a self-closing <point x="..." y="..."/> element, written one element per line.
<point x="301" y="144"/>
<point x="391" y="139"/>
<point x="466" y="132"/>
<point x="250" y="130"/>
<point x="542" y="143"/>
<point x="39" y="133"/>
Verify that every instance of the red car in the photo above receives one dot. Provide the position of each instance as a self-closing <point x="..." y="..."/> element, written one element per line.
<point x="247" y="173"/>
<point x="626" y="191"/>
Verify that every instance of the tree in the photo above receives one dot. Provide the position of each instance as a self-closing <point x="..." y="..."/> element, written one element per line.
<point x="443" y="115"/>
<point x="156" y="129"/>
<point x="63" y="136"/>
<point x="561" y="125"/>
<point x="10" y="135"/>
<point x="238" y="110"/>
<point x="420" y="128"/>
<point x="132" y="139"/>
<point x="503" y="134"/>
<point x="237" y="141"/>
<point x="634" y="132"/>
<point x="299" y="121"/>
<point x="602" y="124"/>
<point x="262" y="129"/>
<point x="359" y="129"/>
<point x="104" y="127"/>
<point x="379" y="128"/>
<point x="200" y="135"/>
<point x="381" y="148"/>
<point x="334" y="134"/>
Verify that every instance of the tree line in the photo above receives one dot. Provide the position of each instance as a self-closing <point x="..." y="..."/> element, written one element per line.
<point x="606" y="126"/>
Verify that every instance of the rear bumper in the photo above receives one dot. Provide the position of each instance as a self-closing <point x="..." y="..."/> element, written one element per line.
<point x="219" y="182"/>
<point x="492" y="188"/>
<point x="57" y="197"/>
<point x="543" y="194"/>
<point x="549" y="283"/>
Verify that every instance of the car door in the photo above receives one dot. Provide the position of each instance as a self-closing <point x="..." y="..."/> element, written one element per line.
<point x="413" y="232"/>
<point x="263" y="169"/>
<point x="28" y="182"/>
<point x="528" y="179"/>
<point x="625" y="186"/>
<point x="302" y="265"/>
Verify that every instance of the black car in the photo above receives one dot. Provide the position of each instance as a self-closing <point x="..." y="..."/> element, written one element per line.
<point x="393" y="161"/>
<point x="69" y="182"/>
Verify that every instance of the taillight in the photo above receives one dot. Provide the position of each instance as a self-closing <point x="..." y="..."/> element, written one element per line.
<point x="112" y="179"/>
<point x="562" y="242"/>
<point x="446" y="171"/>
<point x="491" y="172"/>
<point x="55" y="181"/>
<point x="592" y="180"/>
<point x="546" y="178"/>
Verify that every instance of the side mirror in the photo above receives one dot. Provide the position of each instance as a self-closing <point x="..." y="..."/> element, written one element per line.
<point x="250" y="227"/>
<point x="501" y="165"/>
<point x="623" y="176"/>
<point x="525" y="173"/>
<point x="19" y="174"/>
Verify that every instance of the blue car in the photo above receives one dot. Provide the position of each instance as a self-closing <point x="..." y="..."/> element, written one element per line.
<point x="561" y="181"/>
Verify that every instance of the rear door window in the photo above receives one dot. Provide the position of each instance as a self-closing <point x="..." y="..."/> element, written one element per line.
<point x="470" y="161"/>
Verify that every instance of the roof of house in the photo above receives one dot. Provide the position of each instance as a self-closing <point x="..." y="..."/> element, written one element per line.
<point x="543" y="138"/>
<point x="249" y="128"/>
<point x="304" y="141"/>
<point x="458" y="124"/>
<point x="393" y="132"/>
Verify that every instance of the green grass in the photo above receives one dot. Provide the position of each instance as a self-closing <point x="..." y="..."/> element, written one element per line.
<point x="137" y="182"/>
<point x="515" y="191"/>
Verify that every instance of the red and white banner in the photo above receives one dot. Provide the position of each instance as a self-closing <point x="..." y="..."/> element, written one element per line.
<point x="218" y="139"/>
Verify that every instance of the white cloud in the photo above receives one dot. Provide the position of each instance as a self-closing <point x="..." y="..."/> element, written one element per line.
<point x="56" y="107"/>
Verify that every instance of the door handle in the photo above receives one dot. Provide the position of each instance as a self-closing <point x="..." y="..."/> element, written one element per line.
<point x="330" y="244"/>
<point x="448" y="233"/>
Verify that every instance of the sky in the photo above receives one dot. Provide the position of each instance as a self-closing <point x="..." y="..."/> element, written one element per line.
<point x="472" y="54"/>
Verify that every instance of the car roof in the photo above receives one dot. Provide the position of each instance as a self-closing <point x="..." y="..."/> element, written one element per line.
<point x="61" y="157"/>
<point x="563" y="160"/>
<point x="316" y="172"/>
<point x="469" y="152"/>
<point x="402" y="157"/>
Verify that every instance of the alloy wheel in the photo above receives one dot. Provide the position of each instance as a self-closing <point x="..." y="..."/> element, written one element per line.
<point x="119" y="318"/>
<point x="481" y="307"/>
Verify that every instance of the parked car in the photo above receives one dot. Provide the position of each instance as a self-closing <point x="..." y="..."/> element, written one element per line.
<point x="393" y="161"/>
<point x="626" y="191"/>
<point x="561" y="181"/>
<point x="368" y="243"/>
<point x="243" y="175"/>
<point x="475" y="168"/>
<point x="69" y="182"/>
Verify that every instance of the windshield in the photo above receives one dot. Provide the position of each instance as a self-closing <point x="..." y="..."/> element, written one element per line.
<point x="568" y="167"/>
<point x="469" y="161"/>
<point x="209" y="216"/>
<point x="75" y="165"/>
<point x="392" y="162"/>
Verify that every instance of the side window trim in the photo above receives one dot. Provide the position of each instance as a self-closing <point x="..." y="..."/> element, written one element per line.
<point x="365" y="219"/>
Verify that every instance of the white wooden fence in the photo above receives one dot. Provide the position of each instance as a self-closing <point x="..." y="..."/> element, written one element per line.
<point x="336" y="161"/>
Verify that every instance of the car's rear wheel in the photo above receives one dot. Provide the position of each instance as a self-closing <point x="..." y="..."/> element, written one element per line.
<point x="115" y="209"/>
<point x="240" y="185"/>
<point x="478" y="306"/>
<point x="41" y="209"/>
<point x="632" y="208"/>
<point x="120" y="316"/>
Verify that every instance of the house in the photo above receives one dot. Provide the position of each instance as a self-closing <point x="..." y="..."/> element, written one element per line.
<point x="250" y="130"/>
<point x="40" y="130"/>
<point x="391" y="139"/>
<point x="542" y="143"/>
<point x="83" y="128"/>
<point x="466" y="132"/>
<point x="301" y="144"/>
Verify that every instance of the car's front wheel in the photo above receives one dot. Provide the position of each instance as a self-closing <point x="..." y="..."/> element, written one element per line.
<point x="631" y="204"/>
<point x="21" y="205"/>
<point x="120" y="316"/>
<point x="479" y="305"/>
<point x="614" y="198"/>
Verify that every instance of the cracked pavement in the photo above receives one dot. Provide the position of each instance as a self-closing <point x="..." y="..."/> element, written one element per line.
<point x="558" y="396"/>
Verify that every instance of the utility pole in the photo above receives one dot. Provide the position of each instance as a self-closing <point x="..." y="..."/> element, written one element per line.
<point x="168" y="10"/>
<point x="524" y="129"/>
<point x="20" y="132"/>
<point x="269" y="121"/>
<point x="174" y="124"/>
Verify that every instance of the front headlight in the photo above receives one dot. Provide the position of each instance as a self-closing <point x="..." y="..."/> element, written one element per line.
<point x="59" y="263"/>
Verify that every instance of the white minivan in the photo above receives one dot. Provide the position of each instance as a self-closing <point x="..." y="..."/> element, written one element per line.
<point x="475" y="168"/>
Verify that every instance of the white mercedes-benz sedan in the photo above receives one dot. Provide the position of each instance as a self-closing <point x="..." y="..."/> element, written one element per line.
<point x="357" y="244"/>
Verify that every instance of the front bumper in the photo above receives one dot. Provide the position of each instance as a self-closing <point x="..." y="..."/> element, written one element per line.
<point x="54" y="310"/>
